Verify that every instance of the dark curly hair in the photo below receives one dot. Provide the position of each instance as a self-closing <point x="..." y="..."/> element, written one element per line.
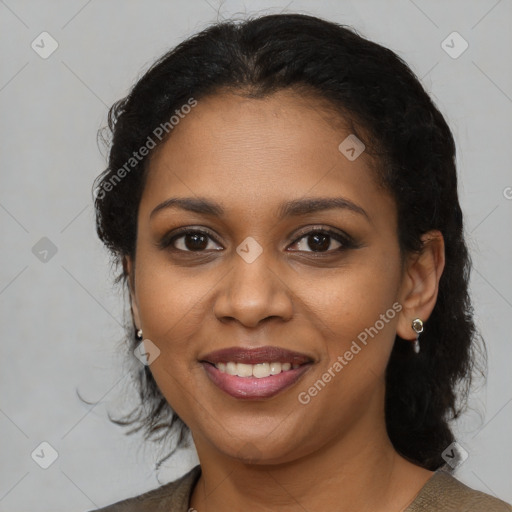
<point x="413" y="152"/>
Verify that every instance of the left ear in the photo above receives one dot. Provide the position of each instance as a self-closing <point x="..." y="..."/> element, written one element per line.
<point x="420" y="283"/>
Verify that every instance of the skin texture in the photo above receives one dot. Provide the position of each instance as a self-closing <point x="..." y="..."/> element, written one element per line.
<point x="250" y="156"/>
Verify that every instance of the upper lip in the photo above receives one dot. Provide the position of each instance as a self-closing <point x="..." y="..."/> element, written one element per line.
<point x="265" y="354"/>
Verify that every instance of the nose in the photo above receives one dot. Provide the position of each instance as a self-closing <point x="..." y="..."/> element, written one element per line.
<point x="252" y="293"/>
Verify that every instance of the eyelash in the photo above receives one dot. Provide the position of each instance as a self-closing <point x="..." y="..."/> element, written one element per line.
<point x="346" y="241"/>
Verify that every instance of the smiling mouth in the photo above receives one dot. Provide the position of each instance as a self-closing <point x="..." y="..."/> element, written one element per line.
<point x="255" y="373"/>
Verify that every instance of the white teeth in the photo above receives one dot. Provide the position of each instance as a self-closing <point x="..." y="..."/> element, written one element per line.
<point x="230" y="368"/>
<point x="259" y="370"/>
<point x="244" y="370"/>
<point x="275" y="368"/>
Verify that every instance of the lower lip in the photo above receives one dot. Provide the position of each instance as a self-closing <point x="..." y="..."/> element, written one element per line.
<point x="252" y="388"/>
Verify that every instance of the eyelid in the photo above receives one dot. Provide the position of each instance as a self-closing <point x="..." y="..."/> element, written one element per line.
<point x="321" y="228"/>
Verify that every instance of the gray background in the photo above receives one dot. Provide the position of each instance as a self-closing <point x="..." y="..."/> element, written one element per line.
<point x="61" y="319"/>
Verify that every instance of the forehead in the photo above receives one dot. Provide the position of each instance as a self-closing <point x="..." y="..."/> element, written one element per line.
<point x="228" y="126"/>
<point x="249" y="152"/>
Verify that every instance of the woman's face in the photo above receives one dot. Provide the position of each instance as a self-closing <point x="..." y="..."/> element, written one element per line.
<point x="266" y="277"/>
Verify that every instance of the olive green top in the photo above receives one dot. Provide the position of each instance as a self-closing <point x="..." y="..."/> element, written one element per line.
<point x="441" y="493"/>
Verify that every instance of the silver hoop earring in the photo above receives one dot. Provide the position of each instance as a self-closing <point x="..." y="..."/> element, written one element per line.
<point x="417" y="327"/>
<point x="138" y="334"/>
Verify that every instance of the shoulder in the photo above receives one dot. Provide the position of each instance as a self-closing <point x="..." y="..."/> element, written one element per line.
<point x="444" y="493"/>
<point x="171" y="497"/>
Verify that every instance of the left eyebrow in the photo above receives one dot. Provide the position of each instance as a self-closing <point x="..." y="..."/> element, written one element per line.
<point x="294" y="208"/>
<point x="316" y="204"/>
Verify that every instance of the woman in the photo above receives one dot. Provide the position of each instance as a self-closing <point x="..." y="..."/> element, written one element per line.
<point x="282" y="195"/>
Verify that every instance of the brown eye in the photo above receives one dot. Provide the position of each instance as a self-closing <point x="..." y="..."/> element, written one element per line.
<point x="320" y="241"/>
<point x="195" y="241"/>
<point x="191" y="241"/>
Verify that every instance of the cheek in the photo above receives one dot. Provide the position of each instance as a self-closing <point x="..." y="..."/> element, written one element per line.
<point x="356" y="313"/>
<point x="171" y="307"/>
<point x="171" y="304"/>
<point x="353" y="298"/>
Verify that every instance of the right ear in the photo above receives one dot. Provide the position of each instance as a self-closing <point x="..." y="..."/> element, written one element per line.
<point x="129" y="270"/>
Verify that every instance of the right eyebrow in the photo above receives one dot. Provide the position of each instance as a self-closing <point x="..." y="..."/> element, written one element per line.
<point x="191" y="204"/>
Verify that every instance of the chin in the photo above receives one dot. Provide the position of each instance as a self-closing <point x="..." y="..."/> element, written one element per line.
<point x="262" y="449"/>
